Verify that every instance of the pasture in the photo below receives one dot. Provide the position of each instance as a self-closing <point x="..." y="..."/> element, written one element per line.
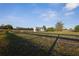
<point x="39" y="44"/>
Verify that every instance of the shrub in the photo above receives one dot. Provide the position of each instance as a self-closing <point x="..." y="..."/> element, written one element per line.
<point x="77" y="28"/>
<point x="50" y="29"/>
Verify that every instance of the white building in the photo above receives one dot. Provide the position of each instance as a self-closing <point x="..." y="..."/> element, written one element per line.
<point x="38" y="29"/>
<point x="34" y="29"/>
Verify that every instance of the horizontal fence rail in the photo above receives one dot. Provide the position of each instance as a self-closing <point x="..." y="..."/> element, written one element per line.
<point x="54" y="35"/>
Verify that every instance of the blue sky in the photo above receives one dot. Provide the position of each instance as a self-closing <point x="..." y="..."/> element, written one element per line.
<point x="32" y="14"/>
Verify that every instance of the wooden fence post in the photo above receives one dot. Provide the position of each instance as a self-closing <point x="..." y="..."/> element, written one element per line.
<point x="53" y="45"/>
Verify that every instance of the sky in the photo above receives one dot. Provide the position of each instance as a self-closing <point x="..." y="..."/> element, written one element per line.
<point x="39" y="14"/>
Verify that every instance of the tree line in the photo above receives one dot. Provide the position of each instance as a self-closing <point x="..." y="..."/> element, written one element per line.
<point x="59" y="27"/>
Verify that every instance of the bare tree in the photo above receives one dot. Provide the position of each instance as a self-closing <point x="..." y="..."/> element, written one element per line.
<point x="59" y="26"/>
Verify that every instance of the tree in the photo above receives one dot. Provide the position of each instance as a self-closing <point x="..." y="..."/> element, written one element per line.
<point x="50" y="29"/>
<point x="59" y="26"/>
<point x="77" y="28"/>
<point x="44" y="27"/>
<point x="8" y="27"/>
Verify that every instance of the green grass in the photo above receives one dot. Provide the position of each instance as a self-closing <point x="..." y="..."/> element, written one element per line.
<point x="26" y="44"/>
<point x="17" y="46"/>
<point x="72" y="35"/>
<point x="62" y="47"/>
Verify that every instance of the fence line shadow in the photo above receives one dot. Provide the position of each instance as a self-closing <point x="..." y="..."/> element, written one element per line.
<point x="19" y="46"/>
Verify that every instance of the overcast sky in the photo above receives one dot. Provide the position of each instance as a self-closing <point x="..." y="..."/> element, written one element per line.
<point x="32" y="15"/>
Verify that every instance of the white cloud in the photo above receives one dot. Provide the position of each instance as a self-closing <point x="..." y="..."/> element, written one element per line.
<point x="71" y="6"/>
<point x="48" y="15"/>
<point x="54" y="4"/>
<point x="11" y="17"/>
<point x="69" y="13"/>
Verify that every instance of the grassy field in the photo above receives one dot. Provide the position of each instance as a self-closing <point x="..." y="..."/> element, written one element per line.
<point x="27" y="44"/>
<point x="13" y="45"/>
<point x="62" y="47"/>
<point x="71" y="35"/>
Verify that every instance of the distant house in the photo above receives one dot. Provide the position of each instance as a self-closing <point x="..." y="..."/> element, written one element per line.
<point x="38" y="29"/>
